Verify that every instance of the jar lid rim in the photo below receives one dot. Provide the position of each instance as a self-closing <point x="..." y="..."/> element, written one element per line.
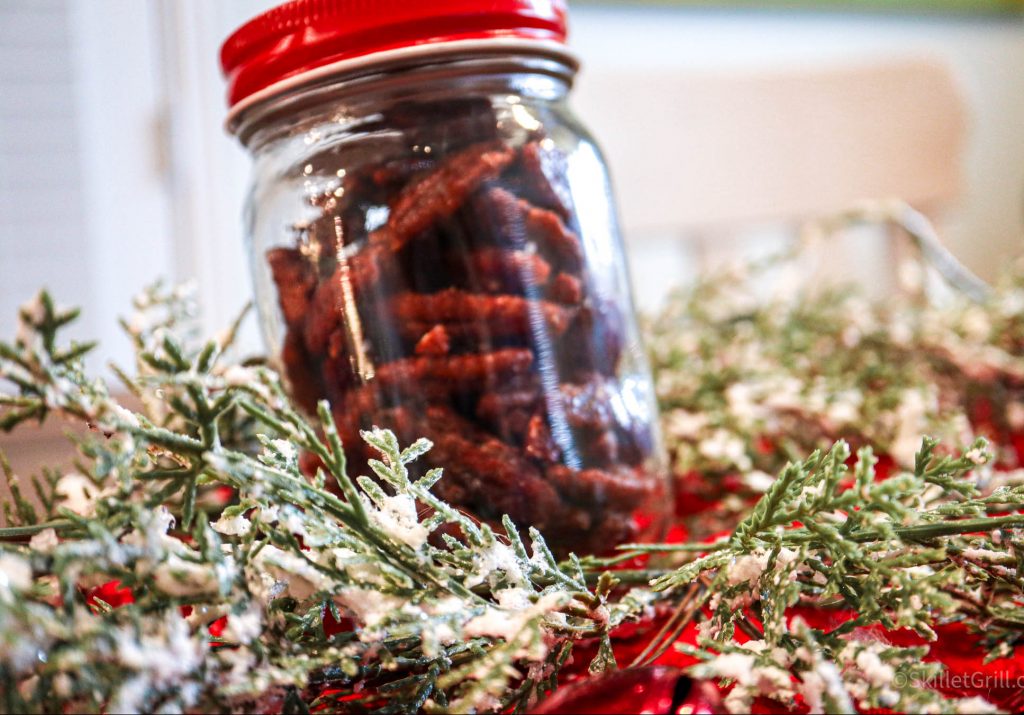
<point x="555" y="50"/>
<point x="301" y="36"/>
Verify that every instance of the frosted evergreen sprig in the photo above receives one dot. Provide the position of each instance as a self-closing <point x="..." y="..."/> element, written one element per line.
<point x="471" y="621"/>
<point x="475" y="623"/>
<point x="907" y="552"/>
<point x="757" y="367"/>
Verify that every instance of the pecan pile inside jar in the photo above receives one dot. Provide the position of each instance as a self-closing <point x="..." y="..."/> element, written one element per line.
<point x="442" y="290"/>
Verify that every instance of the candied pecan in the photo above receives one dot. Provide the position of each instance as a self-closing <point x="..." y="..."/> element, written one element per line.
<point x="588" y="405"/>
<point x="539" y="175"/>
<point x="434" y="342"/>
<point x="300" y="372"/>
<point x="376" y="395"/>
<point x="335" y="295"/>
<point x="325" y="310"/>
<point x="566" y="288"/>
<point x="467" y="337"/>
<point x="494" y="270"/>
<point x="449" y="257"/>
<point x="465" y="313"/>
<point x="347" y="214"/>
<point x="486" y="475"/>
<point x="295" y="278"/>
<point x="508" y="409"/>
<point x="622" y="487"/>
<point x="440" y="193"/>
<point x="604" y="436"/>
<point x="602" y="448"/>
<point x="364" y="269"/>
<point x="509" y="397"/>
<point x="516" y="222"/>
<point x="467" y="372"/>
<point x="494" y="213"/>
<point x="548" y="229"/>
<point x="539" y="443"/>
<point x="594" y="341"/>
<point x="511" y="425"/>
<point x="594" y="449"/>
<point x="339" y="371"/>
<point x="516" y="413"/>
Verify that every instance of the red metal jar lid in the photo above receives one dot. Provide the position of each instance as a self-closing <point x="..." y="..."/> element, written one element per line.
<point x="305" y="35"/>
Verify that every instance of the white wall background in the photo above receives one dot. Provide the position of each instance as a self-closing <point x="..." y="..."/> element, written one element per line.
<point x="41" y="187"/>
<point x="83" y="203"/>
<point x="158" y="187"/>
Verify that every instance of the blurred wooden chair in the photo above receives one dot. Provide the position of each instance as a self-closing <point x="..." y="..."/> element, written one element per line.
<point x="709" y="165"/>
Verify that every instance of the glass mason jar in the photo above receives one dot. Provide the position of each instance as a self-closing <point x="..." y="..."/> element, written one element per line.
<point x="435" y="251"/>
